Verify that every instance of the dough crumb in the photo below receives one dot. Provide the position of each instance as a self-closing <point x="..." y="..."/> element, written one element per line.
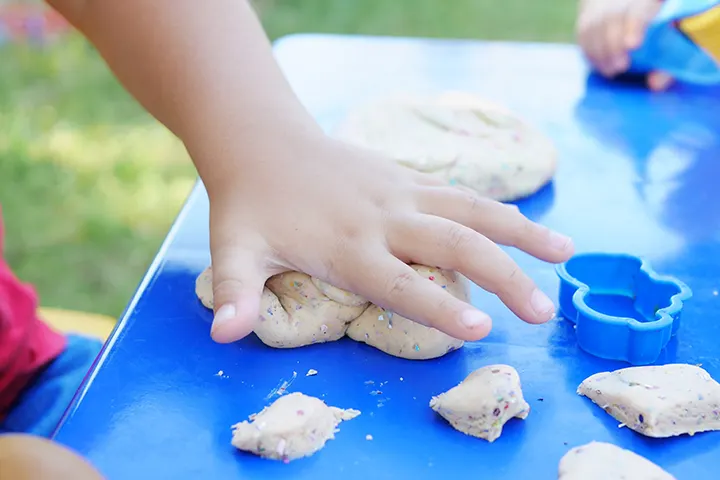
<point x="483" y="402"/>
<point x="294" y="426"/>
<point x="311" y="373"/>
<point x="604" y="461"/>
<point x="368" y="437"/>
<point x="658" y="401"/>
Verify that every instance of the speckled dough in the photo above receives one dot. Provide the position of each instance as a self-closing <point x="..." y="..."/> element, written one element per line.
<point x="401" y="337"/>
<point x="459" y="138"/>
<point x="297" y="310"/>
<point x="294" y="426"/>
<point x="658" y="401"/>
<point x="483" y="402"/>
<point x="604" y="461"/>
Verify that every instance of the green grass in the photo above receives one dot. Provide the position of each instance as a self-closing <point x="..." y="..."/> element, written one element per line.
<point x="89" y="183"/>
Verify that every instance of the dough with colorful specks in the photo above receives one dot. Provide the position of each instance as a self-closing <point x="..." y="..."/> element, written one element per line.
<point x="298" y="310"/>
<point x="604" y="461"/>
<point x="482" y="403"/>
<point x="458" y="138"/>
<point x="658" y="401"/>
<point x="294" y="426"/>
<point x="404" y="338"/>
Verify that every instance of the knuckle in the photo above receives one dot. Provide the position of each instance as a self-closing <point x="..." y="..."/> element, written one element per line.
<point x="399" y="284"/>
<point x="459" y="238"/>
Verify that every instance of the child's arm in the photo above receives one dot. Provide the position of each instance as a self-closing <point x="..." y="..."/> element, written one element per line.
<point x="608" y="30"/>
<point x="283" y="196"/>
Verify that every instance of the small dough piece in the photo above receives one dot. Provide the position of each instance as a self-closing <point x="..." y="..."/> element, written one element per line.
<point x="658" y="401"/>
<point x="404" y="338"/>
<point x="459" y="138"/>
<point x="203" y="288"/>
<point x="604" y="461"/>
<point x="483" y="402"/>
<point x="294" y="426"/>
<point x="295" y="313"/>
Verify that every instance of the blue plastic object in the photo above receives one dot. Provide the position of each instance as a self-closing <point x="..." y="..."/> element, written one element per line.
<point x="668" y="49"/>
<point x="161" y="400"/>
<point x="621" y="308"/>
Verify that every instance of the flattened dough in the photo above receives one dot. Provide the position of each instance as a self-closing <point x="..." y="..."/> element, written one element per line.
<point x="298" y="310"/>
<point x="658" y="401"/>
<point x="294" y="426"/>
<point x="604" y="461"/>
<point x="404" y="338"/>
<point x="482" y="403"/>
<point x="458" y="138"/>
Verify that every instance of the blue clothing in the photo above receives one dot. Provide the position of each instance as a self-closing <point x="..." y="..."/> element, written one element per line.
<point x="43" y="403"/>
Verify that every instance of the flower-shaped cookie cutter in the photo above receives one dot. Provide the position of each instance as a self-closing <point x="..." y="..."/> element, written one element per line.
<point x="622" y="309"/>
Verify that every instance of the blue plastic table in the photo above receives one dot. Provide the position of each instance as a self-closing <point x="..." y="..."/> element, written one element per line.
<point x="639" y="173"/>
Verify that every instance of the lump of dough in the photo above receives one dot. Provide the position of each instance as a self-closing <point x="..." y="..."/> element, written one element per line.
<point x="458" y="138"/>
<point x="294" y="312"/>
<point x="658" y="401"/>
<point x="483" y="402"/>
<point x="404" y="338"/>
<point x="294" y="426"/>
<point x="604" y="461"/>
<point x="298" y="310"/>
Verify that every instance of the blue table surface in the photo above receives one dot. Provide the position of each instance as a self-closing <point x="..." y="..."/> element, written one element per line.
<point x="638" y="173"/>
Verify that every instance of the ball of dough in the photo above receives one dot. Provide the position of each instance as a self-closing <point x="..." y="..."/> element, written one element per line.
<point x="404" y="338"/>
<point x="298" y="310"/>
<point x="604" y="461"/>
<point x="482" y="403"/>
<point x="658" y="401"/>
<point x="294" y="426"/>
<point x="458" y="138"/>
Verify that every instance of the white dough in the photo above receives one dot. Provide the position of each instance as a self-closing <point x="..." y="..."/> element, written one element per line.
<point x="298" y="310"/>
<point x="294" y="426"/>
<point x="404" y="338"/>
<point x="658" y="401"/>
<point x="458" y="138"/>
<point x="482" y="403"/>
<point x="604" y="461"/>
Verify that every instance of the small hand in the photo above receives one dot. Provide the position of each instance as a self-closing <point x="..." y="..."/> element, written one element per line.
<point x="608" y="30"/>
<point x="305" y="202"/>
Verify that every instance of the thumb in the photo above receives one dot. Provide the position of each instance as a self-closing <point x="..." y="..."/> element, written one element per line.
<point x="238" y="284"/>
<point x="659" y="81"/>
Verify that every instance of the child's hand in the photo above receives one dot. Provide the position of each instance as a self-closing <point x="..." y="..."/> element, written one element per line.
<point x="353" y="219"/>
<point x="608" y="30"/>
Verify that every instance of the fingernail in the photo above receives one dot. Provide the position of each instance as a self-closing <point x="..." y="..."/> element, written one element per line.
<point x="559" y="241"/>
<point x="542" y="305"/>
<point x="473" y="319"/>
<point x="224" y="313"/>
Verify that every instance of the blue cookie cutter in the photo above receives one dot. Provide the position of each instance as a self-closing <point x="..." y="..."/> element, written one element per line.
<point x="622" y="309"/>
<point x="668" y="49"/>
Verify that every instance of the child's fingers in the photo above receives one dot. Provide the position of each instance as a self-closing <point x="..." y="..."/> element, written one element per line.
<point x="617" y="59"/>
<point x="638" y="16"/>
<point x="238" y="283"/>
<point x="501" y="223"/>
<point x="393" y="285"/>
<point x="659" y="81"/>
<point x="449" y="245"/>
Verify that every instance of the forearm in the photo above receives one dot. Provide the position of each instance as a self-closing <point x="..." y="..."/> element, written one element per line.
<point x="204" y="69"/>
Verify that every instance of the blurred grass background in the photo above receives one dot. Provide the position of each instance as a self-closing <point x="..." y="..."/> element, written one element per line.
<point x="90" y="184"/>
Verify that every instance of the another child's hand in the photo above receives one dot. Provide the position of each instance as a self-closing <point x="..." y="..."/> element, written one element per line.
<point x="608" y="30"/>
<point x="305" y="202"/>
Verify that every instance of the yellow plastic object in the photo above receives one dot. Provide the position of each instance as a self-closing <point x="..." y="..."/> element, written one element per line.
<point x="83" y="323"/>
<point x="704" y="30"/>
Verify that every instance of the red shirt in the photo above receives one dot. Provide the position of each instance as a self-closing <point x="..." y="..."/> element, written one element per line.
<point x="27" y="344"/>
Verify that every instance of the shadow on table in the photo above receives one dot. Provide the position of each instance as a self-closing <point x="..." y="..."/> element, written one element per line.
<point x="673" y="140"/>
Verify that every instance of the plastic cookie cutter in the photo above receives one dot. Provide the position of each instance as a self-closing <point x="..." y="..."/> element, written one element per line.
<point x="622" y="309"/>
<point x="682" y="40"/>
